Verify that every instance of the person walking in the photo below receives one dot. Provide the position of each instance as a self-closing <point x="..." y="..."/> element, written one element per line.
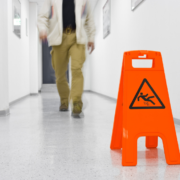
<point x="68" y="25"/>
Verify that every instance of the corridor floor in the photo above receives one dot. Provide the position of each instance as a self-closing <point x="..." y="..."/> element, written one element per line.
<point x="40" y="143"/>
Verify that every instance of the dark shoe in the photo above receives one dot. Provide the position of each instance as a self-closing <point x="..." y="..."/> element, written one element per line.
<point x="63" y="107"/>
<point x="77" y="109"/>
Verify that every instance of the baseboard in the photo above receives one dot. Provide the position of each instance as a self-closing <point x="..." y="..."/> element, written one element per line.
<point x="102" y="95"/>
<point x="87" y="91"/>
<point x="34" y="94"/>
<point x="177" y="121"/>
<point x="17" y="100"/>
<point x="5" y="112"/>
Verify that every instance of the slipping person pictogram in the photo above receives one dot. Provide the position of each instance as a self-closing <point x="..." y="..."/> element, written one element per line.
<point x="146" y="98"/>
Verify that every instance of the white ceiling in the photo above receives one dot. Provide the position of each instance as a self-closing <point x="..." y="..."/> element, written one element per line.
<point x="40" y="2"/>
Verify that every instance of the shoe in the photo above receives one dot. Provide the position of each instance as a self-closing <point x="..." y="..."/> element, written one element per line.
<point x="77" y="109"/>
<point x="63" y="107"/>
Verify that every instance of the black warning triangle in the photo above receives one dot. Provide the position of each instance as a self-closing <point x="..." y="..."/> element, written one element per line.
<point x="132" y="106"/>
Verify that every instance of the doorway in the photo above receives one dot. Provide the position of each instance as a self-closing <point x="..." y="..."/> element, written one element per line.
<point x="48" y="71"/>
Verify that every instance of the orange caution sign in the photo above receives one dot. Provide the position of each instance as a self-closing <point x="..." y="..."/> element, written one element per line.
<point x="143" y="109"/>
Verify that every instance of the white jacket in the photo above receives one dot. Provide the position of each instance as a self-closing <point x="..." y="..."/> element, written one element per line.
<point x="53" y="26"/>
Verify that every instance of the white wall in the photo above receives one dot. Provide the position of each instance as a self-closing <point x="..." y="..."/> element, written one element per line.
<point x="153" y="25"/>
<point x="86" y="72"/>
<point x="33" y="48"/>
<point x="39" y="64"/>
<point x="4" y="103"/>
<point x="18" y="55"/>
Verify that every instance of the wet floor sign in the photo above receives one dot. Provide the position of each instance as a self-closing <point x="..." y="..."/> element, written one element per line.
<point x="146" y="98"/>
<point x="143" y="109"/>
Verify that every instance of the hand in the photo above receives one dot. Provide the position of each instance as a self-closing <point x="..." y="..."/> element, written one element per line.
<point x="43" y="36"/>
<point x="91" y="47"/>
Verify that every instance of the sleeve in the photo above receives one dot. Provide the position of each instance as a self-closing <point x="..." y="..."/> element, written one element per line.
<point x="89" y="24"/>
<point x="43" y="17"/>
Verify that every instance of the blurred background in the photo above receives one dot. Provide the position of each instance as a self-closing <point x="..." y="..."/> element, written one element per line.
<point x="25" y="62"/>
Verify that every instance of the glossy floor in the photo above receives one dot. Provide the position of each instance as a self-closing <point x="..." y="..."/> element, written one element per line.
<point x="40" y="143"/>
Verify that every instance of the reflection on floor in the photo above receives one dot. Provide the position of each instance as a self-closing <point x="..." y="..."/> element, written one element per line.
<point x="37" y="142"/>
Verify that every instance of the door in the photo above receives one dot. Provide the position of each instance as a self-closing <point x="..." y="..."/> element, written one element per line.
<point x="48" y="71"/>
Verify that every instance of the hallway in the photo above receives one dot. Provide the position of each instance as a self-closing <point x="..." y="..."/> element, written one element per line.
<point x="38" y="142"/>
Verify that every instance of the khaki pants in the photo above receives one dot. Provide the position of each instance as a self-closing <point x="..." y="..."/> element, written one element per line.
<point x="60" y="59"/>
